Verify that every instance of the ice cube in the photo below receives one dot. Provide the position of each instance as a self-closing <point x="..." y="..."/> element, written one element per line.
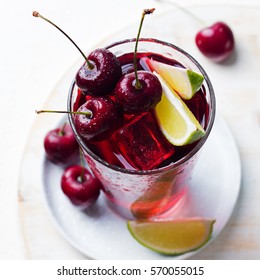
<point x="142" y="143"/>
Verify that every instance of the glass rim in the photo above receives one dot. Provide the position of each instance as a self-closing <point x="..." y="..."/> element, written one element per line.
<point x="172" y="165"/>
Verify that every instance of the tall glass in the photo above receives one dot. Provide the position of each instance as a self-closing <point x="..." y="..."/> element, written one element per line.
<point x="144" y="194"/>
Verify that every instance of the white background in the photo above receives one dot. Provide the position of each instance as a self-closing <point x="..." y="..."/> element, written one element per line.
<point x="33" y="57"/>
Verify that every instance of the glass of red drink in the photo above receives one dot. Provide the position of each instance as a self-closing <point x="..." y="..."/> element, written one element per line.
<point x="143" y="175"/>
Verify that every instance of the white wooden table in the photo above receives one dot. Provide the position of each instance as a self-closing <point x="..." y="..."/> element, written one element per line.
<point x="35" y="57"/>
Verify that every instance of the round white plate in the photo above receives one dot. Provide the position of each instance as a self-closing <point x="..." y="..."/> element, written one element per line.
<point x="99" y="233"/>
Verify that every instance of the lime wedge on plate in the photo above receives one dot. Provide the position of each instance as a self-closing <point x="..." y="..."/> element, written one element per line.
<point x="172" y="237"/>
<point x="184" y="81"/>
<point x="178" y="124"/>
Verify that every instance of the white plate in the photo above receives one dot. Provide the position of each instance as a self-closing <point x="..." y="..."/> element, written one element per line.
<point x="99" y="233"/>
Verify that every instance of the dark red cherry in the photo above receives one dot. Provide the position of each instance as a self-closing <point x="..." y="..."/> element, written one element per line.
<point x="138" y="91"/>
<point x="216" y="42"/>
<point x="103" y="118"/>
<point x="101" y="75"/>
<point x="60" y="145"/>
<point x="137" y="100"/>
<point x="80" y="186"/>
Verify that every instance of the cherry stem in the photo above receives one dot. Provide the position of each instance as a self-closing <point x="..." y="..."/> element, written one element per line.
<point x="82" y="178"/>
<point x="37" y="14"/>
<point x="62" y="130"/>
<point x="138" y="85"/>
<point x="186" y="11"/>
<point x="86" y="113"/>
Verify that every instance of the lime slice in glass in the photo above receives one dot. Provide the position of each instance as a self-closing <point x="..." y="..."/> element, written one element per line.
<point x="172" y="237"/>
<point x="178" y="124"/>
<point x="184" y="81"/>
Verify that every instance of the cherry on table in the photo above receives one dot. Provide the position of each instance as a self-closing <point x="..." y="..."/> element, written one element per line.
<point x="138" y="91"/>
<point x="80" y="186"/>
<point x="60" y="145"/>
<point x="216" y="41"/>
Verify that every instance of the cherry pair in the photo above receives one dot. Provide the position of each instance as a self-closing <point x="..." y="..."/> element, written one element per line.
<point x="77" y="183"/>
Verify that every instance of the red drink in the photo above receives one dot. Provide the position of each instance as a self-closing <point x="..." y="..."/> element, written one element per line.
<point x="140" y="170"/>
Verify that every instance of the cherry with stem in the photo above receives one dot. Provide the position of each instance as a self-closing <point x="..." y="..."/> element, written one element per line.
<point x="80" y="186"/>
<point x="60" y="145"/>
<point x="138" y="91"/>
<point x="96" y="119"/>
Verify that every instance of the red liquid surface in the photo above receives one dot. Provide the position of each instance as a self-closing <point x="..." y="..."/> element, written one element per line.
<point x="140" y="144"/>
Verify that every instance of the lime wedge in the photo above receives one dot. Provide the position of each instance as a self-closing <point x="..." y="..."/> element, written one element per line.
<point x="172" y="237"/>
<point x="184" y="81"/>
<point x="178" y="124"/>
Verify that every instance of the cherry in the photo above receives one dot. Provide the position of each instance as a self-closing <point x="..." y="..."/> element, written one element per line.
<point x="138" y="91"/>
<point x="216" y="42"/>
<point x="80" y="186"/>
<point x="103" y="118"/>
<point x="96" y="119"/>
<point x="60" y="145"/>
<point x="137" y="100"/>
<point x="101" y="77"/>
<point x="100" y="72"/>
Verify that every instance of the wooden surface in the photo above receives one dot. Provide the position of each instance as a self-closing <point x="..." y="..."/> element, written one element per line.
<point x="236" y="84"/>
